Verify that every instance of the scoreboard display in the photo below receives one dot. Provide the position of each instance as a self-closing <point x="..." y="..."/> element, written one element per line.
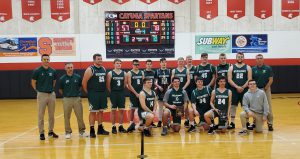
<point x="137" y="34"/>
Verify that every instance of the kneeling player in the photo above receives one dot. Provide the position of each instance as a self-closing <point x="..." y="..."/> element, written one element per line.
<point x="175" y="101"/>
<point x="220" y="102"/>
<point x="148" y="103"/>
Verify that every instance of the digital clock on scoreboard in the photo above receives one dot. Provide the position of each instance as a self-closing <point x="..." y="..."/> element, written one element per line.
<point x="137" y="34"/>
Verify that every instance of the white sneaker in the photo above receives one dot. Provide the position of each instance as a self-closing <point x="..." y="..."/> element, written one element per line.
<point x="68" y="136"/>
<point x="83" y="134"/>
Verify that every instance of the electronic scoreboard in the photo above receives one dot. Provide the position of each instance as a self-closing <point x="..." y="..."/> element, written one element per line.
<point x="137" y="34"/>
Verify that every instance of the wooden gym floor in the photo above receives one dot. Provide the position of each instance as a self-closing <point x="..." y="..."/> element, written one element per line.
<point x="19" y="137"/>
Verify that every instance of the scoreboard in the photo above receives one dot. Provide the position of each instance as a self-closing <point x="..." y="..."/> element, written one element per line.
<point x="137" y="34"/>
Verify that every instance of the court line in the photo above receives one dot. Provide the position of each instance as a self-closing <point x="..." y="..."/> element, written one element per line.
<point x="22" y="134"/>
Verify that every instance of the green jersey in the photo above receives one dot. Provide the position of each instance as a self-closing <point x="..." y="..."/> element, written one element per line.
<point x="201" y="98"/>
<point x="222" y="100"/>
<point x="149" y="100"/>
<point x="222" y="70"/>
<point x="192" y="84"/>
<point x="137" y="80"/>
<point x="117" y="81"/>
<point x="182" y="76"/>
<point x="97" y="82"/>
<point x="70" y="85"/>
<point x="44" y="79"/>
<point x="174" y="97"/>
<point x="150" y="74"/>
<point x="206" y="72"/>
<point x="240" y="75"/>
<point x="261" y="75"/>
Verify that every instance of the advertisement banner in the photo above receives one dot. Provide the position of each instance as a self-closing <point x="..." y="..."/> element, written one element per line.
<point x="120" y="1"/>
<point x="290" y="8"/>
<point x="92" y="2"/>
<point x="213" y="44"/>
<point x="5" y="10"/>
<point x="250" y="43"/>
<point x="236" y="8"/>
<point x="148" y="1"/>
<point x="60" y="10"/>
<point x="208" y="9"/>
<point x="31" y="10"/>
<point x="57" y="46"/>
<point x="263" y="9"/>
<point x="176" y="1"/>
<point x="10" y="47"/>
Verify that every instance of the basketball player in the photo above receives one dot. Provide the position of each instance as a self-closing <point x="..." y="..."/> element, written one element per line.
<point x="222" y="69"/>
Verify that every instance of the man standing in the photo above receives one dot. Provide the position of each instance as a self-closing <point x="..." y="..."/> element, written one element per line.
<point x="94" y="84"/>
<point x="238" y="76"/>
<point x="263" y="75"/>
<point x="206" y="71"/>
<point x="135" y="85"/>
<point x="148" y="103"/>
<point x="116" y="83"/>
<point x="176" y="101"/>
<point x="222" y="69"/>
<point x="43" y="82"/>
<point x="163" y="80"/>
<point x="69" y="87"/>
<point x="255" y="105"/>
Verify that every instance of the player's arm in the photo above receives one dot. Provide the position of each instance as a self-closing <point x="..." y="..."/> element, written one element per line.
<point x="129" y="86"/>
<point x="125" y="81"/>
<point x="212" y="99"/>
<point x="87" y="75"/>
<point x="142" y="98"/>
<point x="230" y="81"/>
<point x="33" y="84"/>
<point x="188" y="79"/>
<point x="193" y="101"/>
<point x="155" y="104"/>
<point x="108" y="81"/>
<point x="213" y="80"/>
<point x="166" y="98"/>
<point x="249" y="75"/>
<point x="229" y="102"/>
<point x="186" y="100"/>
<point x="172" y="76"/>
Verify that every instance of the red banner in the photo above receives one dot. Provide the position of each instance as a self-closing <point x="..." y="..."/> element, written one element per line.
<point x="31" y="10"/>
<point x="92" y="2"/>
<point x="263" y="8"/>
<point x="60" y="10"/>
<point x="208" y="9"/>
<point x="176" y="1"/>
<point x="148" y="1"/>
<point x="5" y="10"/>
<point x="290" y="8"/>
<point x="120" y="1"/>
<point x="236" y="8"/>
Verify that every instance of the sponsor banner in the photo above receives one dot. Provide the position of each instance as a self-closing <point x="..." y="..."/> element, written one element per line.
<point x="54" y="46"/>
<point x="148" y="1"/>
<point x="92" y="2"/>
<point x="250" y="43"/>
<point x="290" y="8"/>
<point x="5" y="10"/>
<point x="213" y="44"/>
<point x="60" y="10"/>
<point x="208" y="9"/>
<point x="176" y="1"/>
<point x="10" y="47"/>
<point x="120" y="1"/>
<point x="263" y="9"/>
<point x="31" y="10"/>
<point x="236" y="8"/>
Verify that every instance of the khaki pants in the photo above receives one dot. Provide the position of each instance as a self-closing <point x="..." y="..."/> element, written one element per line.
<point x="44" y="100"/>
<point x="270" y="115"/>
<point x="258" y="118"/>
<point x="69" y="104"/>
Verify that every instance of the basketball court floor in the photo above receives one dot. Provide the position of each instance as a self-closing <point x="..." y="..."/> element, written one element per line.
<point x="19" y="137"/>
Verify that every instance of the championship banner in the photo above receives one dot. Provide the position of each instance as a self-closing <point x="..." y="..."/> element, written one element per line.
<point x="148" y="1"/>
<point x="290" y="8"/>
<point x="236" y="8"/>
<point x="5" y="10"/>
<point x="263" y="8"/>
<point x="120" y="1"/>
<point x="250" y="43"/>
<point x="60" y="10"/>
<point x="31" y="10"/>
<point x="92" y="2"/>
<point x="213" y="44"/>
<point x="208" y="9"/>
<point x="176" y="1"/>
<point x="58" y="46"/>
<point x="11" y="47"/>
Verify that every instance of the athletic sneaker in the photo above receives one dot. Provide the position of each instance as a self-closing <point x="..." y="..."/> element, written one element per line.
<point x="114" y="130"/>
<point x="147" y="132"/>
<point x="211" y="131"/>
<point x="68" y="136"/>
<point x="52" y="135"/>
<point x="153" y="125"/>
<point x="164" y="131"/>
<point x="131" y="128"/>
<point x="42" y="136"/>
<point x="231" y="126"/>
<point x="92" y="132"/>
<point x="192" y="129"/>
<point x="186" y="123"/>
<point x="249" y="127"/>
<point x="101" y="130"/>
<point x="159" y="124"/>
<point x="83" y="134"/>
<point x="121" y="129"/>
<point x="243" y="132"/>
<point x="270" y="127"/>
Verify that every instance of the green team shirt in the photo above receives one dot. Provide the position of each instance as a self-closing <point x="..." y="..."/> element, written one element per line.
<point x="151" y="75"/>
<point x="192" y="84"/>
<point x="137" y="80"/>
<point x="222" y="100"/>
<point x="261" y="75"/>
<point x="176" y="97"/>
<point x="149" y="100"/>
<point x="206" y="72"/>
<point x="240" y="75"/>
<point x="44" y="79"/>
<point x="97" y="82"/>
<point x="182" y="76"/>
<point x="222" y="70"/>
<point x="201" y="98"/>
<point x="70" y="85"/>
<point x="117" y="81"/>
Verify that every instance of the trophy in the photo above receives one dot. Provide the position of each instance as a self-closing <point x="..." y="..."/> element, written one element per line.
<point x="179" y="111"/>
